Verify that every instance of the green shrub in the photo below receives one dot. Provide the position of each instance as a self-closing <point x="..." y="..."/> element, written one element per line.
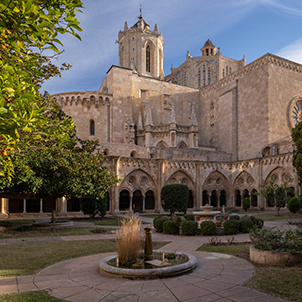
<point x="245" y="225"/>
<point x="94" y="206"/>
<point x="294" y="205"/>
<point x="6" y="223"/>
<point x="170" y="227"/>
<point x="189" y="217"/>
<point x="208" y="228"/>
<point x="231" y="226"/>
<point x="174" y="198"/>
<point x="260" y="223"/>
<point x="25" y="228"/>
<point x="235" y="217"/>
<point x="246" y="203"/>
<point x="158" y="223"/>
<point x="189" y="227"/>
<point x="274" y="239"/>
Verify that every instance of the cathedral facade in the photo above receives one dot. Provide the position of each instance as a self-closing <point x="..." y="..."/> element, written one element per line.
<point x="215" y="124"/>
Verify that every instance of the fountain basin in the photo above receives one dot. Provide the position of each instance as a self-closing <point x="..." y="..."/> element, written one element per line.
<point x="188" y="265"/>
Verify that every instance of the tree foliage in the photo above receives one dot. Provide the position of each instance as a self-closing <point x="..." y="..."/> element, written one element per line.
<point x="27" y="29"/>
<point x="58" y="163"/>
<point x="246" y="203"/>
<point x="174" y="198"/>
<point x="276" y="195"/>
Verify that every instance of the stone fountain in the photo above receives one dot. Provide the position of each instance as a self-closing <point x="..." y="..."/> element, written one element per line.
<point x="156" y="263"/>
<point x="206" y="214"/>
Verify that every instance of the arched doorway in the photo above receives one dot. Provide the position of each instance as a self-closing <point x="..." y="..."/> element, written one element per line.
<point x="137" y="201"/>
<point x="214" y="199"/>
<point x="205" y="197"/>
<point x="149" y="200"/>
<point x="191" y="200"/>
<point x="222" y="198"/>
<point x="254" y="198"/>
<point x="124" y="200"/>
<point x="237" y="198"/>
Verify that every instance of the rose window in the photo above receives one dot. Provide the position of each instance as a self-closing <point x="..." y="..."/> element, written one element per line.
<point x="296" y="113"/>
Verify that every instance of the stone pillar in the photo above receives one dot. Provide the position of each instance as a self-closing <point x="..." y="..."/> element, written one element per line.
<point x="61" y="206"/>
<point x="148" y="243"/>
<point x="41" y="205"/>
<point x="198" y="187"/>
<point x="144" y="202"/>
<point x="3" y="207"/>
<point x="24" y="205"/>
<point x="131" y="203"/>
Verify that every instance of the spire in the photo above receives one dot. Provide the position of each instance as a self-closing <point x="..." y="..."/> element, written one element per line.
<point x="126" y="26"/>
<point x="140" y="12"/>
<point x="155" y="28"/>
<point x="193" y="116"/>
<point x="140" y="121"/>
<point x="149" y="117"/>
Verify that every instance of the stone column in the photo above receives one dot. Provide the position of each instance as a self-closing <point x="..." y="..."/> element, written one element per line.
<point x="24" y="205"/>
<point x="144" y="202"/>
<point x="41" y="205"/>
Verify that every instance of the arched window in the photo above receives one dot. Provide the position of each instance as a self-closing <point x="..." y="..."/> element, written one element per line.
<point x="133" y="154"/>
<point x="237" y="198"/>
<point x="227" y="70"/>
<point x="148" y="59"/>
<point x="214" y="199"/>
<point x="92" y="127"/>
<point x="204" y="75"/>
<point x="254" y="198"/>
<point x="205" y="197"/>
<point x="222" y="198"/>
<point x="124" y="200"/>
<point x="149" y="200"/>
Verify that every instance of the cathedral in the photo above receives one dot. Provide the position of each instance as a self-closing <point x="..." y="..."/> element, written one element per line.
<point x="214" y="123"/>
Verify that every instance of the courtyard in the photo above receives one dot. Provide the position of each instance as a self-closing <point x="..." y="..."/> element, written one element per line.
<point x="218" y="276"/>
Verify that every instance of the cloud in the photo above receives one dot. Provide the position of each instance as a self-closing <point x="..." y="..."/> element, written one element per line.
<point x="292" y="51"/>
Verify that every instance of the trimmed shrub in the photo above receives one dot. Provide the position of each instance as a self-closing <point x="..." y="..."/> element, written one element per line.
<point x="245" y="225"/>
<point x="234" y="217"/>
<point x="231" y="226"/>
<point x="246" y="203"/>
<point x="260" y="223"/>
<point x="189" y="217"/>
<point x="174" y="198"/>
<point x="208" y="228"/>
<point x="25" y="228"/>
<point x="158" y="223"/>
<point x="170" y="227"/>
<point x="189" y="227"/>
<point x="294" y="205"/>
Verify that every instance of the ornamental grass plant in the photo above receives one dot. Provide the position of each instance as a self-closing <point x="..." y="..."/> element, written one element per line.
<point x="129" y="240"/>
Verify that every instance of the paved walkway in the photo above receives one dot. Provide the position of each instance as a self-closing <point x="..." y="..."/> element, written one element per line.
<point x="218" y="277"/>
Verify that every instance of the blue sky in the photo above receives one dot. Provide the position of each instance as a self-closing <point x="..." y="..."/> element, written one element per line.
<point x="239" y="27"/>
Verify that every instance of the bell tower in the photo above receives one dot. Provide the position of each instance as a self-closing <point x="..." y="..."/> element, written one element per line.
<point x="141" y="48"/>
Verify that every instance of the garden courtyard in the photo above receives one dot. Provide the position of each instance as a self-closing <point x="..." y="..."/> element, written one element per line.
<point x="62" y="265"/>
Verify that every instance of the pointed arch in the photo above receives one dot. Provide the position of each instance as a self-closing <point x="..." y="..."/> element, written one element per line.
<point x="162" y="144"/>
<point x="182" y="145"/>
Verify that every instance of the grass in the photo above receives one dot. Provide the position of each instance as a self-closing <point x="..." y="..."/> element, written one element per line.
<point x="272" y="216"/>
<point x="35" y="296"/>
<point x="28" y="259"/>
<point x="70" y="231"/>
<point x="283" y="282"/>
<point x="115" y="221"/>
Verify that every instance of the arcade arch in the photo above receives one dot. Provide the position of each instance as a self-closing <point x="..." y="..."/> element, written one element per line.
<point x="216" y="190"/>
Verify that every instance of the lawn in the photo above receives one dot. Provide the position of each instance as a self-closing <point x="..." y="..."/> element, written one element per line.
<point x="272" y="216"/>
<point x="7" y="233"/>
<point x="114" y="221"/>
<point x="36" y="296"/>
<point x="28" y="259"/>
<point x="284" y="282"/>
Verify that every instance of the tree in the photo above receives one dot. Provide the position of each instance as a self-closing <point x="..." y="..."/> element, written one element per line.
<point x="297" y="158"/>
<point x="27" y="29"/>
<point x="275" y="194"/>
<point x="58" y="163"/>
<point x="246" y="203"/>
<point x="174" y="198"/>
